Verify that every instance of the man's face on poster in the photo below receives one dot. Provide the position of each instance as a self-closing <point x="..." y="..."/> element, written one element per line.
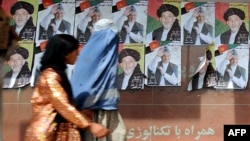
<point x="59" y="14"/>
<point x="201" y="17"/>
<point x="132" y="16"/>
<point x="21" y="16"/>
<point x="167" y="19"/>
<point x="166" y="57"/>
<point x="128" y="64"/>
<point x="234" y="60"/>
<point x="234" y="22"/>
<point x="16" y="62"/>
<point x="96" y="17"/>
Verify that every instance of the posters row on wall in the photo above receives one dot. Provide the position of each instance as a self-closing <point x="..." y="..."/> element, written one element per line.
<point x="152" y="35"/>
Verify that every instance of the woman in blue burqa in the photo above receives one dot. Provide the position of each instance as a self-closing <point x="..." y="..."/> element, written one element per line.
<point x="94" y="81"/>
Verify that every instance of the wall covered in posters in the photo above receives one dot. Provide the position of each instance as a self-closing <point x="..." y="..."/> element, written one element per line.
<point x="161" y="28"/>
<point x="156" y="102"/>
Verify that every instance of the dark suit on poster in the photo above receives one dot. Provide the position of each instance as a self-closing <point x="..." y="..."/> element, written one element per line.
<point x="210" y="72"/>
<point x="137" y="28"/>
<point x="172" y="68"/>
<point x="63" y="27"/>
<point x="28" y="31"/>
<point x="241" y="36"/>
<point x="84" y="37"/>
<point x="239" y="72"/>
<point x="22" y="78"/>
<point x="136" y="80"/>
<point x="195" y="81"/>
<point x="206" y="29"/>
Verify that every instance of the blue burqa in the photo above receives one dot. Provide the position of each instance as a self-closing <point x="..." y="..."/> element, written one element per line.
<point x="94" y="76"/>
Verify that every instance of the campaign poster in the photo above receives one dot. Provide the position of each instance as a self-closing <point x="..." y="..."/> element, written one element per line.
<point x="87" y="13"/>
<point x="130" y="17"/>
<point x="232" y="23"/>
<point x="205" y="75"/>
<point x="54" y="18"/>
<point x="232" y="66"/>
<point x="163" y="65"/>
<point x="131" y="67"/>
<point x="163" y="22"/>
<point x="197" y="22"/>
<point x="17" y="66"/>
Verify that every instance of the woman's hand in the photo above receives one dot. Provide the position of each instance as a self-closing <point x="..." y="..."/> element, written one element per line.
<point x="98" y="130"/>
